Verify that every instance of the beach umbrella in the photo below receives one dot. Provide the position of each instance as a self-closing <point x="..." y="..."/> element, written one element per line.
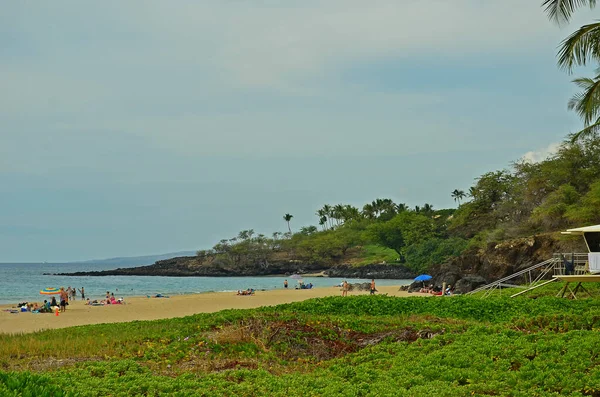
<point x="423" y="277"/>
<point x="50" y="291"/>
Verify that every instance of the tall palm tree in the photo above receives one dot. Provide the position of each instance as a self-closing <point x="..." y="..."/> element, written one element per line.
<point x="328" y="214"/>
<point x="401" y="207"/>
<point x="368" y="211"/>
<point x="427" y="209"/>
<point x="580" y="48"/>
<point x="338" y="211"/>
<point x="351" y="212"/>
<point x="323" y="222"/>
<point x="288" y="218"/>
<point x="458" y="195"/>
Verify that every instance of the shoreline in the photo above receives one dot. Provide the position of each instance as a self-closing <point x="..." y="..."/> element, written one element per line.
<point x="142" y="308"/>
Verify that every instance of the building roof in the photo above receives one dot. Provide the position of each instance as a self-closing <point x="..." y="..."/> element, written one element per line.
<point x="581" y="230"/>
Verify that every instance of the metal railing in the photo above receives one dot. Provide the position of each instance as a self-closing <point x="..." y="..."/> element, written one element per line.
<point x="539" y="274"/>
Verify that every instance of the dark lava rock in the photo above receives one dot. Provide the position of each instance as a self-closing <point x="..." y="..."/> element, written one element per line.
<point x="468" y="283"/>
<point x="377" y="271"/>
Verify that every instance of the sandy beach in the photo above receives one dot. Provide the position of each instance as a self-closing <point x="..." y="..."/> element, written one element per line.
<point x="143" y="308"/>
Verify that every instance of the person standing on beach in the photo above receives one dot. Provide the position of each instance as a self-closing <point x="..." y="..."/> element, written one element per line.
<point x="345" y="288"/>
<point x="373" y="286"/>
<point x="285" y="284"/>
<point x="64" y="299"/>
<point x="82" y="292"/>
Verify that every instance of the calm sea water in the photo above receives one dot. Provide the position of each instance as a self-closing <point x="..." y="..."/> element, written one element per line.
<point x="22" y="282"/>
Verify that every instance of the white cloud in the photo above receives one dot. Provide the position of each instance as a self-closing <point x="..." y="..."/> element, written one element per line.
<point x="542" y="154"/>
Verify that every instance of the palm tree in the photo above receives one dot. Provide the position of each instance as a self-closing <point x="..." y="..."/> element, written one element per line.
<point x="581" y="47"/>
<point x="351" y="212"/>
<point x="458" y="195"/>
<point x="368" y="211"/>
<point x="401" y="207"/>
<point x="427" y="209"/>
<point x="323" y="222"/>
<point x="288" y="218"/>
<point x="338" y="211"/>
<point x="328" y="214"/>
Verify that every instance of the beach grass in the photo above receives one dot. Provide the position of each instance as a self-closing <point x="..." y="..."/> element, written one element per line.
<point x="362" y="345"/>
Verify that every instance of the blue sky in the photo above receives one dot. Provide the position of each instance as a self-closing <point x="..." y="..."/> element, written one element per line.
<point x="133" y="128"/>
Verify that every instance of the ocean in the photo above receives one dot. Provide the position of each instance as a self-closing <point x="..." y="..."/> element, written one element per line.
<point x="22" y="282"/>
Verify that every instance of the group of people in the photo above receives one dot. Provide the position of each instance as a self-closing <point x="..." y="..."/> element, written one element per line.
<point x="433" y="290"/>
<point x="249" y="291"/>
<point x="35" y="307"/>
<point x="346" y="287"/>
<point x="72" y="293"/>
<point x="300" y="285"/>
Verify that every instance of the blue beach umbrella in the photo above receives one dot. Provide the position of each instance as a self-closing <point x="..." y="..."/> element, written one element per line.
<point x="423" y="277"/>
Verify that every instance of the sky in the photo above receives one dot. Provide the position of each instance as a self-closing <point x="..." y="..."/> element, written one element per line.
<point x="136" y="128"/>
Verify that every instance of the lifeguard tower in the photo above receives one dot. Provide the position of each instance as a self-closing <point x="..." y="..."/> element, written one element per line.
<point x="584" y="267"/>
<point x="590" y="272"/>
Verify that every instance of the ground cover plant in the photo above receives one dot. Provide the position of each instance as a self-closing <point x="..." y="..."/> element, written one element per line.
<point x="357" y="346"/>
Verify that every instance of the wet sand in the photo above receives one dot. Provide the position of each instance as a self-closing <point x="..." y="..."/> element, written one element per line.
<point x="143" y="308"/>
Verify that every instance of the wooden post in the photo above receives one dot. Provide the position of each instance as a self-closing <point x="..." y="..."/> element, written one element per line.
<point x="443" y="288"/>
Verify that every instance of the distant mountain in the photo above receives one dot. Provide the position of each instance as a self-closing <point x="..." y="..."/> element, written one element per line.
<point x="138" y="260"/>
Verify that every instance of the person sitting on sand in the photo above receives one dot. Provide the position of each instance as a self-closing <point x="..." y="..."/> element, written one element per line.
<point x="114" y="301"/>
<point x="45" y="307"/>
<point x="436" y="291"/>
<point x="158" y="296"/>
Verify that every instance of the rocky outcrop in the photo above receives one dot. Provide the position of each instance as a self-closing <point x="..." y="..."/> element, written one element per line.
<point x="190" y="267"/>
<point x="379" y="271"/>
<point x="474" y="268"/>
<point x="497" y="260"/>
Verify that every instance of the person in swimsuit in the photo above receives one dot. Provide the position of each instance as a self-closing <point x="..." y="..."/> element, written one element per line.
<point x="64" y="299"/>
<point x="345" y="288"/>
<point x="373" y="286"/>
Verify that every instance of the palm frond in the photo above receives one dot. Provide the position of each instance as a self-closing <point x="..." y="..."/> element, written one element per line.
<point x="561" y="11"/>
<point x="587" y="102"/>
<point x="580" y="46"/>
<point x="588" y="131"/>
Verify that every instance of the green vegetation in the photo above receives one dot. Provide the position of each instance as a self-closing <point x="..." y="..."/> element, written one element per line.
<point x="529" y="198"/>
<point x="580" y="49"/>
<point x="357" y="346"/>
<point x="377" y="254"/>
